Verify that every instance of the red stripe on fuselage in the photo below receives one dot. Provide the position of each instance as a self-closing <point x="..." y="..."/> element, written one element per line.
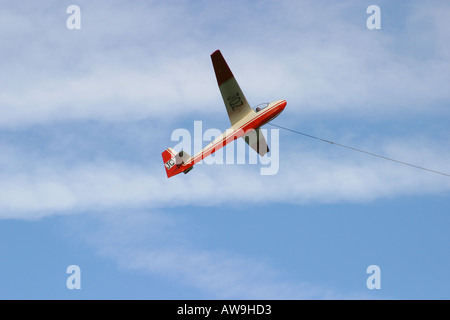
<point x="265" y="116"/>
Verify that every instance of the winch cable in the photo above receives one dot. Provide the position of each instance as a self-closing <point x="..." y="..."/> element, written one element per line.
<point x="359" y="150"/>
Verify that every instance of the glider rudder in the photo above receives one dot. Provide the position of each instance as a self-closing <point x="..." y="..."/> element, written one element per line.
<point x="169" y="162"/>
<point x="173" y="162"/>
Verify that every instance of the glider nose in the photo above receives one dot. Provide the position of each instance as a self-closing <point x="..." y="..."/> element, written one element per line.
<point x="283" y="104"/>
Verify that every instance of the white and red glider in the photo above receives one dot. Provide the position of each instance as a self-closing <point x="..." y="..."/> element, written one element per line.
<point x="245" y="122"/>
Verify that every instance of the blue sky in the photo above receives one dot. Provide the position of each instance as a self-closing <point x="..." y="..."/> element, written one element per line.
<point x="85" y="115"/>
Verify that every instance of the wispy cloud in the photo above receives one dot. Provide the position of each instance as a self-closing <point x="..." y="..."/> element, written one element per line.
<point x="47" y="187"/>
<point x="334" y="66"/>
<point x="154" y="243"/>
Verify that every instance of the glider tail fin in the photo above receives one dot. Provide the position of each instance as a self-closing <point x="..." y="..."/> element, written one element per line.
<point x="173" y="161"/>
<point x="169" y="161"/>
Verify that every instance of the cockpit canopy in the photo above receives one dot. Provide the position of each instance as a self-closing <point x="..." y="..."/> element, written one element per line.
<point x="261" y="106"/>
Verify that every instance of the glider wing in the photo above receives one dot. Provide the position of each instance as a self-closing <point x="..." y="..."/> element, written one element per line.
<point x="232" y="95"/>
<point x="256" y="140"/>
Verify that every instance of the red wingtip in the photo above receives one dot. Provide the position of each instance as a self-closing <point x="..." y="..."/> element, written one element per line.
<point x="223" y="72"/>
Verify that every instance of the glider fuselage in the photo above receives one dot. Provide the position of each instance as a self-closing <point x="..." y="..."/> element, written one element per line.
<point x="250" y="122"/>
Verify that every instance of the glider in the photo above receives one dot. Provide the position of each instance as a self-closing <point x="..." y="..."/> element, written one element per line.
<point x="245" y="122"/>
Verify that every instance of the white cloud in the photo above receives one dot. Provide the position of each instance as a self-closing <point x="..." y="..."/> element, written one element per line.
<point x="47" y="187"/>
<point x="315" y="56"/>
<point x="222" y="274"/>
<point x="152" y="243"/>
